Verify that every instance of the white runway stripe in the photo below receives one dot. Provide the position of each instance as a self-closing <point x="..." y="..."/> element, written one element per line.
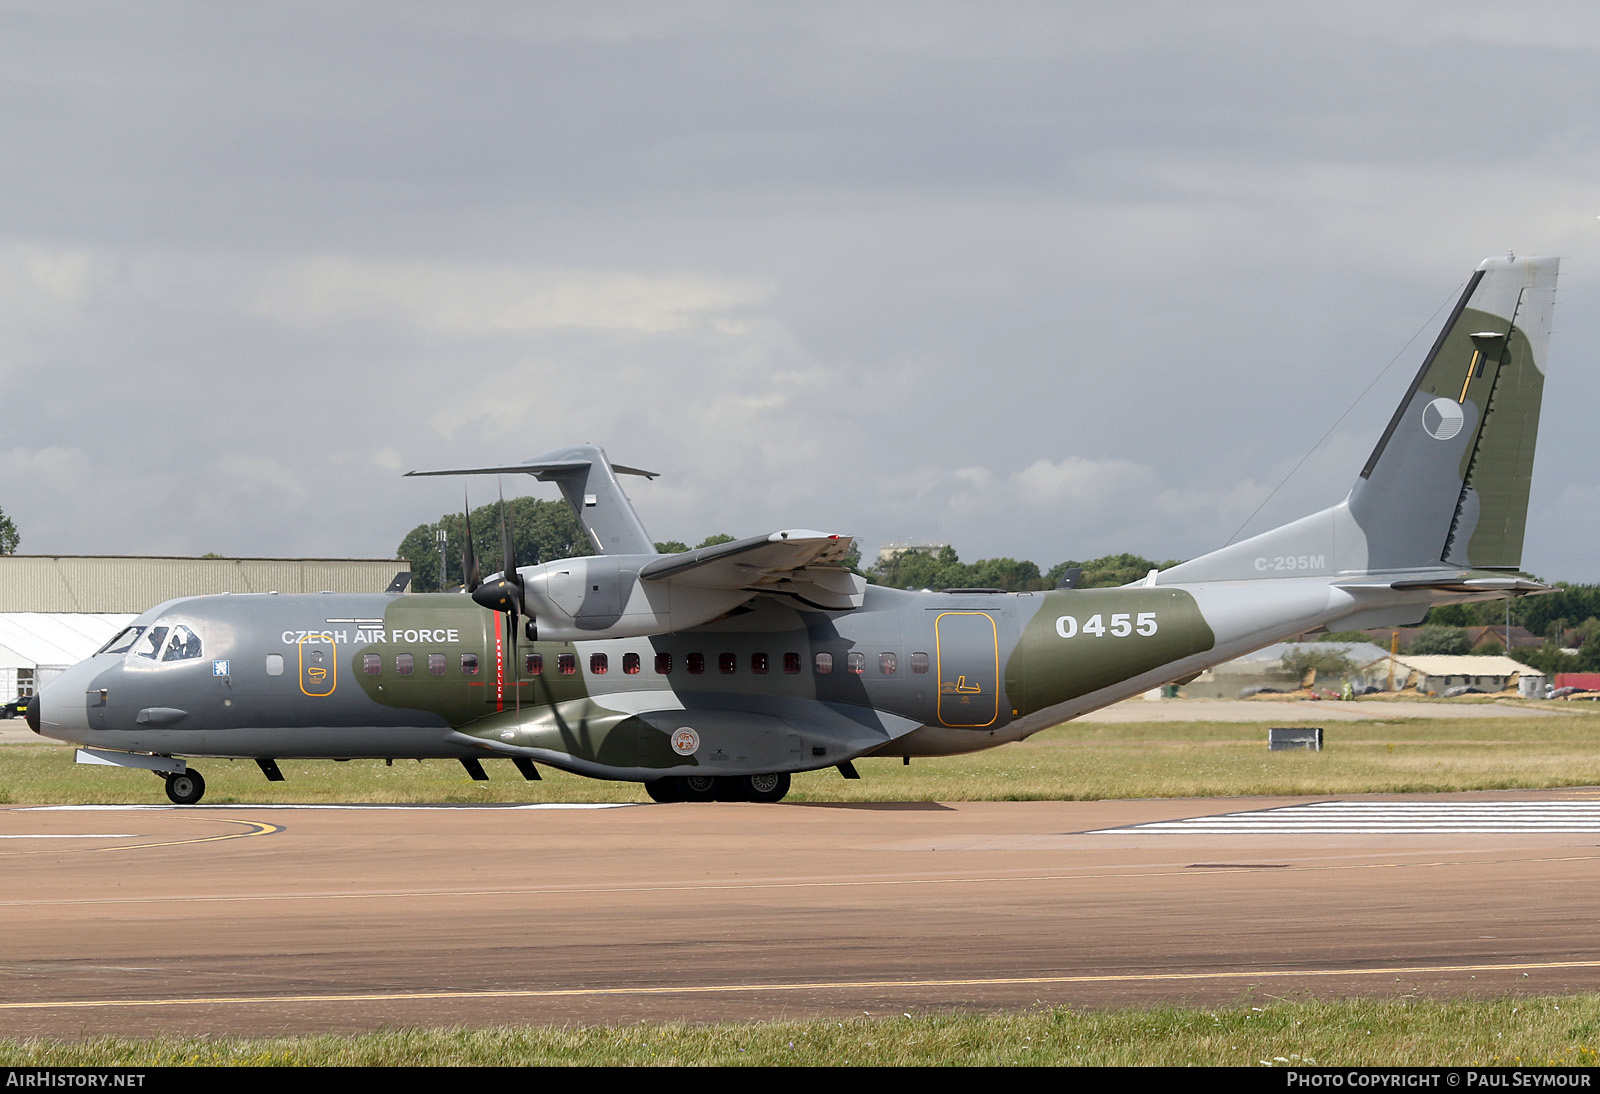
<point x="1394" y="817"/>
<point x="72" y="835"/>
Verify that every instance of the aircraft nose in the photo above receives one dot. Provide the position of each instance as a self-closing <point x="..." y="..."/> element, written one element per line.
<point x="59" y="709"/>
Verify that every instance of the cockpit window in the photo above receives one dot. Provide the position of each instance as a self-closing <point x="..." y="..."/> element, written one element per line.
<point x="150" y="645"/>
<point x="123" y="640"/>
<point x="184" y="645"/>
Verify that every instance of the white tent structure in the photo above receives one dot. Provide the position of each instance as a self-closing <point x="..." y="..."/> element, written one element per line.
<point x="37" y="646"/>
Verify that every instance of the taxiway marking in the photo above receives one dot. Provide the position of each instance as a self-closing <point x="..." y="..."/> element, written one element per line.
<point x="810" y="985"/>
<point x="252" y="828"/>
<point x="1398" y="818"/>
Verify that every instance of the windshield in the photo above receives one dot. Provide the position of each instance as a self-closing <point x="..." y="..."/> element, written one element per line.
<point x="184" y="645"/>
<point x="122" y="642"/>
<point x="150" y="645"/>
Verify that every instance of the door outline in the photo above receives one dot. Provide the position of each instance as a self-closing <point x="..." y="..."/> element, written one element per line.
<point x="323" y="679"/>
<point x="961" y="689"/>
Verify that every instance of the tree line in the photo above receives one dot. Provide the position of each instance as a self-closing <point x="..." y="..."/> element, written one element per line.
<point x="543" y="531"/>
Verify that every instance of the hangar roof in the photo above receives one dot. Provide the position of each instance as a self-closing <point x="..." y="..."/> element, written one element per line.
<point x="87" y="583"/>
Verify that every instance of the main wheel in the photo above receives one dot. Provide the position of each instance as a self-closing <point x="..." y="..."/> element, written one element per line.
<point x="186" y="789"/>
<point x="661" y="790"/>
<point x="697" y="788"/>
<point x="764" y="788"/>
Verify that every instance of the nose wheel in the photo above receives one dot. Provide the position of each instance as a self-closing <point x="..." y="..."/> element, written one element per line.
<point x="185" y="789"/>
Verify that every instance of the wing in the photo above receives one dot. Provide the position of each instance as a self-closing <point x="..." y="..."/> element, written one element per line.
<point x="799" y="563"/>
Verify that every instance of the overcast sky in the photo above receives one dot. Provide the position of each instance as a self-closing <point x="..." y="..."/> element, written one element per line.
<point x="1041" y="280"/>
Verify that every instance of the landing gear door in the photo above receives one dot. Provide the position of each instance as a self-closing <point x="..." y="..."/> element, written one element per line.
<point x="319" y="666"/>
<point x="968" y="646"/>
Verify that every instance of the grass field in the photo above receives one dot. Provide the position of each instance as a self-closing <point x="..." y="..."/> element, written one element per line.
<point x="1077" y="761"/>
<point x="1526" y="1032"/>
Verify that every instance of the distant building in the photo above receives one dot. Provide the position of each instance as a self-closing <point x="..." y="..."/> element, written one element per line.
<point x="1263" y="671"/>
<point x="97" y="584"/>
<point x="1432" y="674"/>
<point x="35" y="647"/>
<point x="1435" y="674"/>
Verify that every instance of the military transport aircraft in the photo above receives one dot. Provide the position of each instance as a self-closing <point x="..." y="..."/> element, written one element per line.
<point x="717" y="673"/>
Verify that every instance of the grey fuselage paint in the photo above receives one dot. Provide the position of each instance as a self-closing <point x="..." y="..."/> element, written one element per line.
<point x="906" y="674"/>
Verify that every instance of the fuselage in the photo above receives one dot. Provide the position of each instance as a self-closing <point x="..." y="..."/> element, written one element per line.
<point x="771" y="687"/>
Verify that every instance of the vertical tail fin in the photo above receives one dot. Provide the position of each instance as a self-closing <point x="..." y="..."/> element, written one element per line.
<point x="588" y="480"/>
<point x="1448" y="481"/>
<point x="1447" y="485"/>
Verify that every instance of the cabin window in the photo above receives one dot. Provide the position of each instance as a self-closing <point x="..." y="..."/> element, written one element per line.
<point x="663" y="664"/>
<point x="758" y="664"/>
<point x="599" y="664"/>
<point x="469" y="664"/>
<point x="919" y="664"/>
<point x="727" y="663"/>
<point x="630" y="664"/>
<point x="404" y="664"/>
<point x="824" y="663"/>
<point x="567" y="663"/>
<point x="274" y="664"/>
<point x="371" y="664"/>
<point x="533" y="664"/>
<point x="856" y="662"/>
<point x="887" y="664"/>
<point x="435" y="664"/>
<point x="696" y="663"/>
<point x="791" y="663"/>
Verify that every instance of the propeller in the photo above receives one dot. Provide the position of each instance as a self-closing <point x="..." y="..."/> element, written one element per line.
<point x="505" y="594"/>
<point x="471" y="576"/>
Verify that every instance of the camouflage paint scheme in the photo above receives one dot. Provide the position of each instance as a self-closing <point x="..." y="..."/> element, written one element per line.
<point x="1436" y="516"/>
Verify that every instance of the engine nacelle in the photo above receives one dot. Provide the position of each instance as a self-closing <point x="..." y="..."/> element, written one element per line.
<point x="601" y="596"/>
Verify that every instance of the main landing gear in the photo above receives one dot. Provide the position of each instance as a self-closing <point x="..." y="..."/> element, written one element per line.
<point x="186" y="788"/>
<point x="719" y="788"/>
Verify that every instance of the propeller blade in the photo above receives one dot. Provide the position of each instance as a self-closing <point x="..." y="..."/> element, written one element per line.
<point x="512" y="575"/>
<point x="470" y="574"/>
<point x="505" y="594"/>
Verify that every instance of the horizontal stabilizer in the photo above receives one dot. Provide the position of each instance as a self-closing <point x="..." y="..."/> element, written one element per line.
<point x="543" y="471"/>
<point x="1503" y="586"/>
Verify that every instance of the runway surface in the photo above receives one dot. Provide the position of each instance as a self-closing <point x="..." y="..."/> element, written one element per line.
<point x="253" y="919"/>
